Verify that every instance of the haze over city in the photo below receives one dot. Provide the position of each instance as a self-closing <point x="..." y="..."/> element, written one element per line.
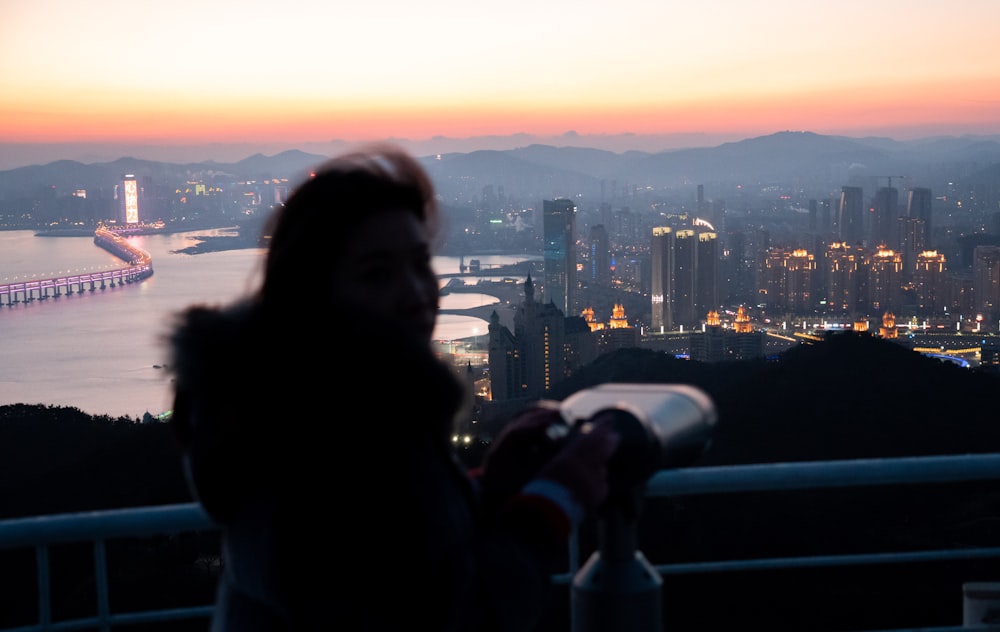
<point x="186" y="82"/>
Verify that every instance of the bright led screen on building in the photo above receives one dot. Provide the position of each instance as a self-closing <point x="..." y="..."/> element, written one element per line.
<point x="131" y="202"/>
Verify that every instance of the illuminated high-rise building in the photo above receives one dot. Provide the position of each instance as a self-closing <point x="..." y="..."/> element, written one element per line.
<point x="801" y="269"/>
<point x="559" y="253"/>
<point x="850" y="215"/>
<point x="986" y="280"/>
<point x="885" y="280"/>
<point x="706" y="296"/>
<point x="789" y="280"/>
<point x="685" y="267"/>
<point x="128" y="200"/>
<point x="843" y="269"/>
<point x="661" y="274"/>
<point x="911" y="236"/>
<point x="930" y="282"/>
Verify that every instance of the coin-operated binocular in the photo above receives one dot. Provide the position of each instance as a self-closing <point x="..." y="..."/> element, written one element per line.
<point x="661" y="426"/>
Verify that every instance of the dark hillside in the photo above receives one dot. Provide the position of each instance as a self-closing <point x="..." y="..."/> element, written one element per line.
<point x="57" y="459"/>
<point x="849" y="396"/>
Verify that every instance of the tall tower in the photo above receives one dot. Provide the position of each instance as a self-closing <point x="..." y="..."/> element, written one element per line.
<point x="986" y="280"/>
<point x="706" y="295"/>
<point x="661" y="274"/>
<point x="885" y="280"/>
<point x="801" y="268"/>
<point x="599" y="261"/>
<point x="850" y="215"/>
<point x="128" y="200"/>
<point x="929" y="281"/>
<point x="886" y="206"/>
<point x="918" y="206"/>
<point x="685" y="265"/>
<point x="789" y="280"/>
<point x="843" y="263"/>
<point x="558" y="226"/>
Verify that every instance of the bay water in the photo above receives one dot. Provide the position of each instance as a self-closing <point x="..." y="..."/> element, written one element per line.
<point x="102" y="351"/>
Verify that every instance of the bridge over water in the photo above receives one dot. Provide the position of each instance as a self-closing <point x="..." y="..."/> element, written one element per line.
<point x="139" y="266"/>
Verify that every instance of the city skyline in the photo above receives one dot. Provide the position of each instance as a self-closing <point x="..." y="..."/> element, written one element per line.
<point x="111" y="73"/>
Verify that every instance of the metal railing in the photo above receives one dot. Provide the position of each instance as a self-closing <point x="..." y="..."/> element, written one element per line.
<point x="98" y="527"/>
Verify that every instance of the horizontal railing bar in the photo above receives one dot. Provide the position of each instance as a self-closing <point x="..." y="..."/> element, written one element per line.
<point x="129" y="618"/>
<point x="812" y="561"/>
<point x="849" y="559"/>
<point x="817" y="474"/>
<point x="104" y="524"/>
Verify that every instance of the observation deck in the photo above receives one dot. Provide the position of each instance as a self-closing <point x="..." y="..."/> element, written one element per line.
<point x="628" y="608"/>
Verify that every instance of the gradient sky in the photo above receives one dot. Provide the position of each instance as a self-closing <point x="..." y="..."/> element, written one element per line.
<point x="304" y="71"/>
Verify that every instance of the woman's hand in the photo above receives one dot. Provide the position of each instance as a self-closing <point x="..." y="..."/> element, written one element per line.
<point x="520" y="450"/>
<point x="581" y="464"/>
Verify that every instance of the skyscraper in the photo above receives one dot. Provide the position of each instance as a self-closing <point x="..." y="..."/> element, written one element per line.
<point x="789" y="280"/>
<point x="685" y="265"/>
<point x="850" y="215"/>
<point x="843" y="262"/>
<point x="599" y="257"/>
<point x="128" y="200"/>
<point x="886" y="207"/>
<point x="661" y="273"/>
<point x="918" y="206"/>
<point x="706" y="295"/>
<point x="986" y="280"/>
<point x="929" y="282"/>
<point x="558" y="227"/>
<point x="885" y="274"/>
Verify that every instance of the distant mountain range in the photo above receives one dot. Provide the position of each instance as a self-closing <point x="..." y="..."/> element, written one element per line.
<point x="812" y="162"/>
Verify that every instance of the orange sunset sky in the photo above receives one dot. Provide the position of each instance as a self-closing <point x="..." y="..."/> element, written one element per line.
<point x="287" y="74"/>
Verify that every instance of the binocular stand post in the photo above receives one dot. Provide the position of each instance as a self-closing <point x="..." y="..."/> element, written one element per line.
<point x="617" y="589"/>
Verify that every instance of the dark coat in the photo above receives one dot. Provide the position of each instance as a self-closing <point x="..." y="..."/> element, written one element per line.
<point x="322" y="446"/>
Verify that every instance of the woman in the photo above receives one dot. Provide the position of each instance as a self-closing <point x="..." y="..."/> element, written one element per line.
<point x="315" y="421"/>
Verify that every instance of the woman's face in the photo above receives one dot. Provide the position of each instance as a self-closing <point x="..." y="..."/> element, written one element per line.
<point x="386" y="271"/>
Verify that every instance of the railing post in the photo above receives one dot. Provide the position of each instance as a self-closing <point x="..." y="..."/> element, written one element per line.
<point x="44" y="585"/>
<point x="101" y="579"/>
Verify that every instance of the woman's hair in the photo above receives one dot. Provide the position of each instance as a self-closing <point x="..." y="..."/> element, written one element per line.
<point x="323" y="212"/>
